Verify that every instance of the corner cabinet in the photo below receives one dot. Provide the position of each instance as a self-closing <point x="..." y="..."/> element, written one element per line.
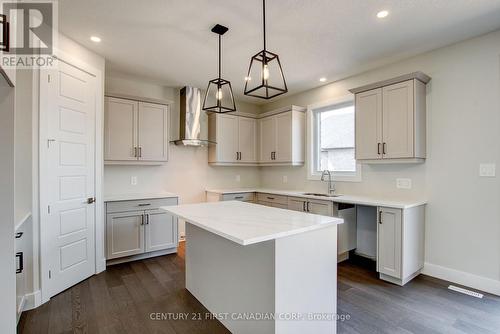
<point x="135" y="132"/>
<point x="234" y="139"/>
<point x="390" y="120"/>
<point x="138" y="229"/>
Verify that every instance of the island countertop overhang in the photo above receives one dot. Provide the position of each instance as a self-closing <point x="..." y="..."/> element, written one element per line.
<point x="247" y="224"/>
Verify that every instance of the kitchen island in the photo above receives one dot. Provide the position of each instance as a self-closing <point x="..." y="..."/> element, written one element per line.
<point x="260" y="269"/>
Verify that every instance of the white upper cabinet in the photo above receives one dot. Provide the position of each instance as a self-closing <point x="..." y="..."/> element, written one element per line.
<point x="120" y="130"/>
<point x="235" y="138"/>
<point x="275" y="138"/>
<point x="282" y="138"/>
<point x="135" y="132"/>
<point x="152" y="132"/>
<point x="267" y="139"/>
<point x="390" y="120"/>
<point x="247" y="139"/>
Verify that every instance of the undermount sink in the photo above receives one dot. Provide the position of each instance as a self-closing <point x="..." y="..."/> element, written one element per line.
<point x="322" y="195"/>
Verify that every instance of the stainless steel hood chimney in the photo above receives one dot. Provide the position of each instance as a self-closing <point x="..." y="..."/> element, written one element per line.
<point x="193" y="121"/>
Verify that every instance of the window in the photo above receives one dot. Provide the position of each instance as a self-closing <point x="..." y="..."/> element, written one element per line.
<point x="332" y="141"/>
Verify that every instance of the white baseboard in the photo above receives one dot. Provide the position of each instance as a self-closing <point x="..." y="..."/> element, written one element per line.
<point x="32" y="300"/>
<point x="463" y="278"/>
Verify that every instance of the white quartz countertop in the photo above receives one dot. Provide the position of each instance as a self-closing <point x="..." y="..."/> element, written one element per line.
<point x="350" y="199"/>
<point x="137" y="196"/>
<point x="246" y="223"/>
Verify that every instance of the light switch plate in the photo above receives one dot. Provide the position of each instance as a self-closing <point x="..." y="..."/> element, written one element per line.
<point x="403" y="183"/>
<point x="487" y="169"/>
<point x="238" y="178"/>
<point x="285" y="179"/>
<point x="133" y="180"/>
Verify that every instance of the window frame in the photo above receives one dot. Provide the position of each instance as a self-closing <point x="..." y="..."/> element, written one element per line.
<point x="312" y="149"/>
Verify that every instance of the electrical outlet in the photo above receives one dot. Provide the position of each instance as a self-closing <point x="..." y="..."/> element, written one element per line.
<point x="133" y="180"/>
<point x="238" y="178"/>
<point x="487" y="170"/>
<point x="285" y="179"/>
<point x="403" y="183"/>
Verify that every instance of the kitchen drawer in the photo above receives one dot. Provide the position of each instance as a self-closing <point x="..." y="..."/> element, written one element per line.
<point x="277" y="199"/>
<point x="143" y="204"/>
<point x="239" y="197"/>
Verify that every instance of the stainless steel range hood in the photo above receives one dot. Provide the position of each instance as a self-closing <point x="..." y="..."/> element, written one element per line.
<point x="193" y="121"/>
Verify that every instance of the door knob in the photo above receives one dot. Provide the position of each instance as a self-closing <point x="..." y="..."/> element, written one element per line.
<point x="90" y="200"/>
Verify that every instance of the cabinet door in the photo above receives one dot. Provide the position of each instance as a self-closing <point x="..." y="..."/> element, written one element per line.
<point x="398" y="120"/>
<point x="247" y="139"/>
<point x="120" y="131"/>
<point x="153" y="132"/>
<point x="389" y="242"/>
<point x="267" y="138"/>
<point x="161" y="230"/>
<point x="368" y="132"/>
<point x="125" y="234"/>
<point x="227" y="138"/>
<point x="284" y="137"/>
<point x="324" y="208"/>
<point x="296" y="204"/>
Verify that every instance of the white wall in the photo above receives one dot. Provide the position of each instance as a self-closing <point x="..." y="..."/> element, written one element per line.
<point x="463" y="129"/>
<point x="187" y="172"/>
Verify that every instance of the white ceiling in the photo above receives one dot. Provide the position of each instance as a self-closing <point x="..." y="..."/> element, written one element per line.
<point x="169" y="41"/>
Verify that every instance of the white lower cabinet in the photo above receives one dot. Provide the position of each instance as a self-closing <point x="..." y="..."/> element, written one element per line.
<point x="132" y="232"/>
<point x="400" y="243"/>
<point x="125" y="234"/>
<point x="389" y="242"/>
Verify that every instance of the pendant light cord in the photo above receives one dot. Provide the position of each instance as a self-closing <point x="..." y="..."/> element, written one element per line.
<point x="264" y="22"/>
<point x="219" y="56"/>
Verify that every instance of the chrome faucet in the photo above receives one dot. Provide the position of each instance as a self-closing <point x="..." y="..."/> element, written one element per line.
<point x="331" y="185"/>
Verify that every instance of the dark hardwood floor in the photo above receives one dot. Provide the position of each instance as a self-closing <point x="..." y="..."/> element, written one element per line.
<point x="125" y="297"/>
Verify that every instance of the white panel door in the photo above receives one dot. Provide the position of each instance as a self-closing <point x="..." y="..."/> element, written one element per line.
<point x="120" y="131"/>
<point x="227" y="138"/>
<point x="283" y="137"/>
<point x="398" y="120"/>
<point x="161" y="230"/>
<point x="368" y="132"/>
<point x="152" y="132"/>
<point x="247" y="139"/>
<point x="124" y="234"/>
<point x="68" y="98"/>
<point x="267" y="138"/>
<point x="389" y="242"/>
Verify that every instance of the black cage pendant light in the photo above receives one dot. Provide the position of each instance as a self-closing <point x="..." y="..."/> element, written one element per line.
<point x="265" y="77"/>
<point x="219" y="95"/>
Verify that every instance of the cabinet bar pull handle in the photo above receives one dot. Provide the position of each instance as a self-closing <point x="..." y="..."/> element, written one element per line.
<point x="307" y="208"/>
<point x="303" y="206"/>
<point x="135" y="152"/>
<point x="144" y="204"/>
<point x="384" y="146"/>
<point x="239" y="197"/>
<point x="147" y="219"/>
<point x="21" y="262"/>
<point x="270" y="198"/>
<point x="142" y="219"/>
<point x="378" y="148"/>
<point x="380" y="217"/>
<point x="140" y="152"/>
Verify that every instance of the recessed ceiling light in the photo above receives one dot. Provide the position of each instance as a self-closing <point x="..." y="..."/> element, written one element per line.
<point x="382" y="14"/>
<point x="322" y="79"/>
<point x="95" y="39"/>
